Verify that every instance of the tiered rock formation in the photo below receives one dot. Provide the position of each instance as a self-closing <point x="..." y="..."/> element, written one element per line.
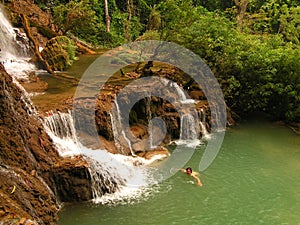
<point x="33" y="178"/>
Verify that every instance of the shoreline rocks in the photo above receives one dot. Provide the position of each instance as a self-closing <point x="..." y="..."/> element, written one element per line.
<point x="32" y="174"/>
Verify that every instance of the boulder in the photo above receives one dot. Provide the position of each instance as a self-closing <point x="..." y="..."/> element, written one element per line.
<point x="72" y="180"/>
<point x="59" y="52"/>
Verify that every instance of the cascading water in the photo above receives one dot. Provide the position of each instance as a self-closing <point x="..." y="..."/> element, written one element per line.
<point x="174" y="87"/>
<point x="189" y="131"/>
<point x="202" y="116"/>
<point x="180" y="92"/>
<point x="60" y="128"/>
<point x="120" y="137"/>
<point x="14" y="50"/>
<point x="104" y="180"/>
<point x="31" y="110"/>
<point x="114" y="177"/>
<point x="188" y="128"/>
<point x="188" y="122"/>
<point x="149" y="117"/>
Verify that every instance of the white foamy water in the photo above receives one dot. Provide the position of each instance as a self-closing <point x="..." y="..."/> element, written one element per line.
<point x="137" y="178"/>
<point x="202" y="123"/>
<point x="189" y="143"/>
<point x="115" y="178"/>
<point x="120" y="137"/>
<point x="60" y="127"/>
<point x="14" y="48"/>
<point x="19" y="67"/>
<point x="130" y="174"/>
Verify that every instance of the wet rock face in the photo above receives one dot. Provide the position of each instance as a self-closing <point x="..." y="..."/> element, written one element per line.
<point x="26" y="156"/>
<point x="22" y="136"/>
<point x="139" y="113"/>
<point x="31" y="171"/>
<point x="26" y="196"/>
<point x="72" y="180"/>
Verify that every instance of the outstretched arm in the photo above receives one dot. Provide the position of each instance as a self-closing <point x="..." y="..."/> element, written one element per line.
<point x="197" y="179"/>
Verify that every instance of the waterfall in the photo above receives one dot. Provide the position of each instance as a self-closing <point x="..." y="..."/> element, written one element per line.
<point x="29" y="107"/>
<point x="180" y="92"/>
<point x="169" y="84"/>
<point x="188" y="127"/>
<point x="120" y="137"/>
<point x="148" y="118"/>
<point x="189" y="131"/>
<point x="103" y="179"/>
<point x="114" y="177"/>
<point x="60" y="128"/>
<point x="202" y="116"/>
<point x="14" y="49"/>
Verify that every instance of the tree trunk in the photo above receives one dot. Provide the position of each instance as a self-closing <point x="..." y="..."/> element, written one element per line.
<point x="35" y="44"/>
<point x="127" y="24"/>
<point x="241" y="9"/>
<point x="107" y="17"/>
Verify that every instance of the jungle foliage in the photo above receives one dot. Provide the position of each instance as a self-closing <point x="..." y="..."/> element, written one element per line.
<point x="252" y="46"/>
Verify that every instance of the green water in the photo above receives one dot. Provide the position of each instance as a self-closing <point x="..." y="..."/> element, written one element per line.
<point x="254" y="180"/>
<point x="63" y="85"/>
<point x="60" y="83"/>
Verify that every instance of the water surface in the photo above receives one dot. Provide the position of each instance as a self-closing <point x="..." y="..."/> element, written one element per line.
<point x="254" y="180"/>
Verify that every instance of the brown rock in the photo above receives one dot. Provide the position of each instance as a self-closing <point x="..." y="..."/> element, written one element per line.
<point x="21" y="170"/>
<point x="32" y="11"/>
<point x="72" y="180"/>
<point x="160" y="151"/>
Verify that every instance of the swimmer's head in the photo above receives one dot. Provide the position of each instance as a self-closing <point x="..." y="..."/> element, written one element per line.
<point x="189" y="170"/>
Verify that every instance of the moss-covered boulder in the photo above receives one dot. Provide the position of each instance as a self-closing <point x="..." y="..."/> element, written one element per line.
<point x="59" y="53"/>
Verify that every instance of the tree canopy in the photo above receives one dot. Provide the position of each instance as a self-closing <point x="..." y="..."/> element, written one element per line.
<point x="252" y="46"/>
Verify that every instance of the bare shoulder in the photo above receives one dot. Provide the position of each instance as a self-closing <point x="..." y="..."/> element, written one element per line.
<point x="195" y="173"/>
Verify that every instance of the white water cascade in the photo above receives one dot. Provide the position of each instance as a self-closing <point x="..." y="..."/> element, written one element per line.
<point x="119" y="134"/>
<point x="60" y="128"/>
<point x="104" y="179"/>
<point x="14" y="49"/>
<point x="115" y="178"/>
<point x="189" y="131"/>
<point x="182" y="95"/>
<point x="180" y="92"/>
<point x="148" y="119"/>
<point x="188" y="127"/>
<point x="202" y="122"/>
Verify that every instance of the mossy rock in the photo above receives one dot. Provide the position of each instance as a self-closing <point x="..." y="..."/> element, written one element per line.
<point x="45" y="31"/>
<point x="59" y="53"/>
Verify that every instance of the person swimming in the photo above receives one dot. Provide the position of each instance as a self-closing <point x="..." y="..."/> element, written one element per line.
<point x="190" y="172"/>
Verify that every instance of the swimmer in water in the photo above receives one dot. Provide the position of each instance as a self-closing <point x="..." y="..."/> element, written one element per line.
<point x="190" y="172"/>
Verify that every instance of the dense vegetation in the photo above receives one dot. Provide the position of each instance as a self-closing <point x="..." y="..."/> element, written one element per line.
<point x="252" y="46"/>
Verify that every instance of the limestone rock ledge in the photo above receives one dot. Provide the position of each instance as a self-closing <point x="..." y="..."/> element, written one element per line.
<point x="72" y="180"/>
<point x="34" y="179"/>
